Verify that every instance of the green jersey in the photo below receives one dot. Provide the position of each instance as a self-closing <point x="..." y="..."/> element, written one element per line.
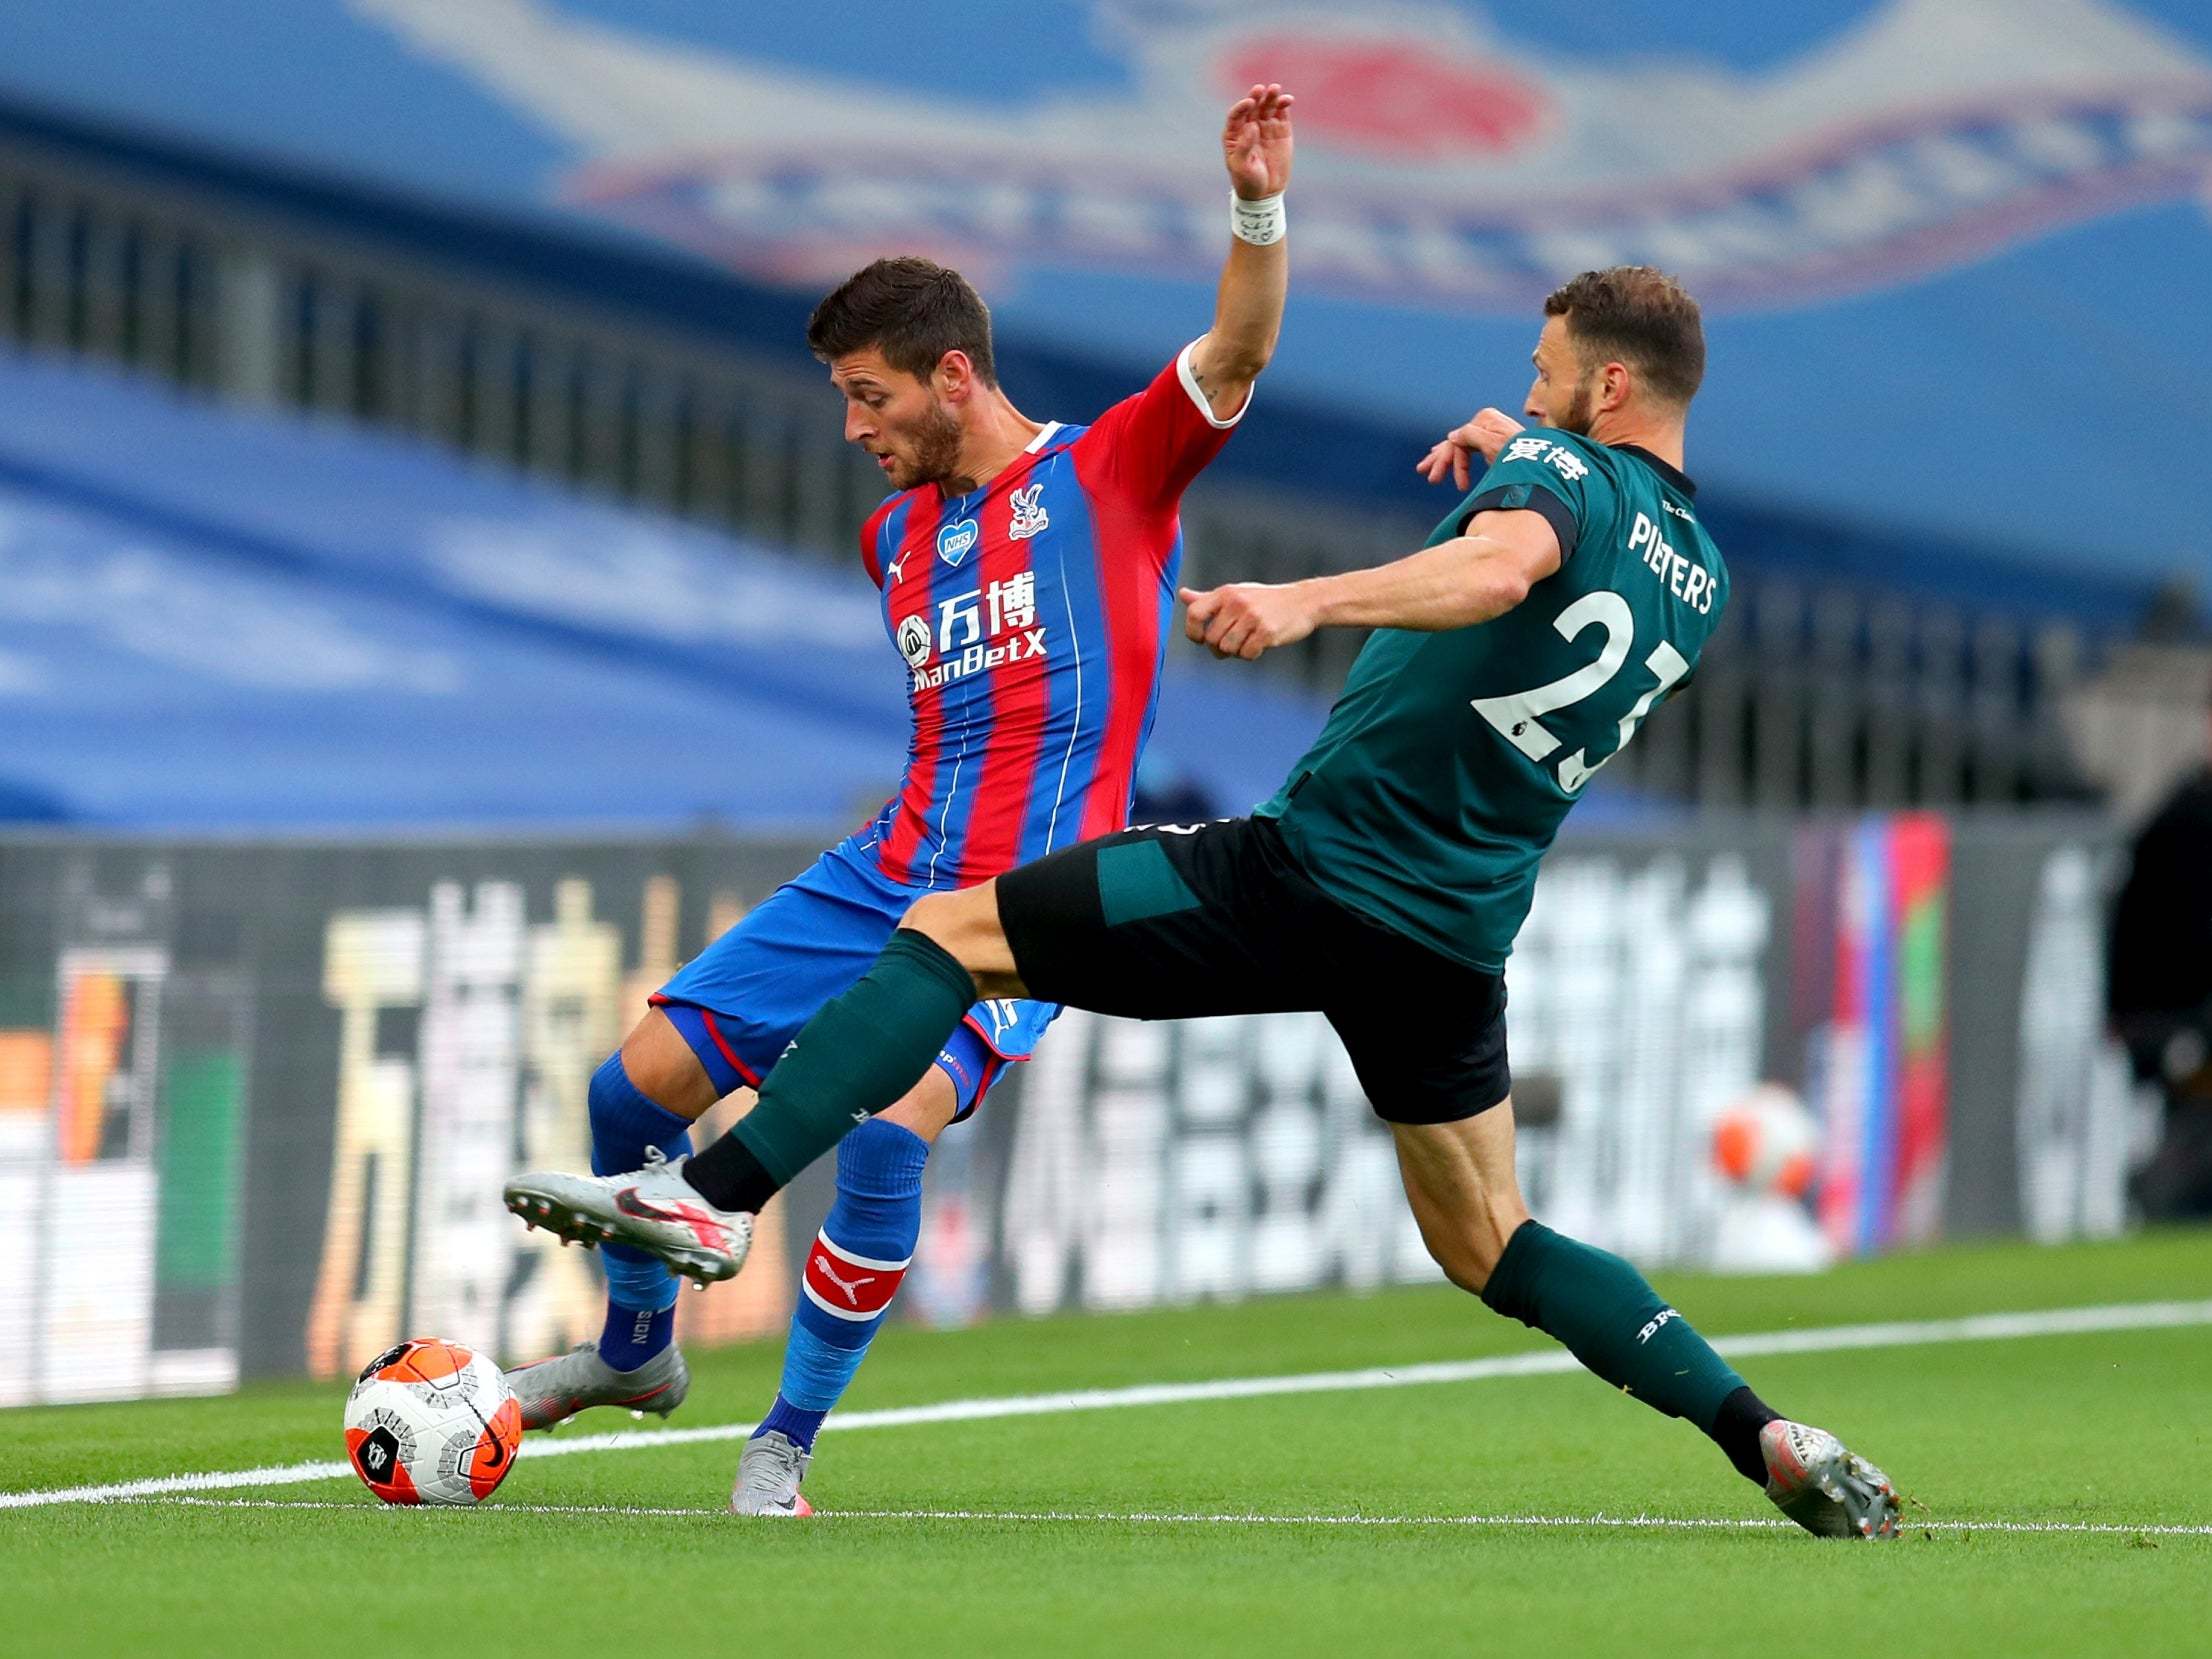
<point x="1451" y="758"/>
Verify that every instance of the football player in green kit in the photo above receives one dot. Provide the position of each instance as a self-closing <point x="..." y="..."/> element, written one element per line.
<point x="1567" y="596"/>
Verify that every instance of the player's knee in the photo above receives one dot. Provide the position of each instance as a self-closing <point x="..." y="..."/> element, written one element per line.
<point x="624" y="1121"/>
<point x="965" y="924"/>
<point x="603" y="1098"/>
<point x="938" y="915"/>
<point x="657" y="1063"/>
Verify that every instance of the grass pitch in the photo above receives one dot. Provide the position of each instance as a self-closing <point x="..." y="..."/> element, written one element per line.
<point x="1330" y="1521"/>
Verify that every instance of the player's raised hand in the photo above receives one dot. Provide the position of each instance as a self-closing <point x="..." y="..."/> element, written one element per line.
<point x="1490" y="431"/>
<point x="1247" y="618"/>
<point x="1255" y="142"/>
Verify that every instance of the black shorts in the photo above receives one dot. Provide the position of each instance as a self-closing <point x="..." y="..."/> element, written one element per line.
<point x="1176" y="921"/>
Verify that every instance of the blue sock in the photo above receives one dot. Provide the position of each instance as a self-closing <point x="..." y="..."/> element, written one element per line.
<point x="641" y="1292"/>
<point x="634" y="1335"/>
<point x="852" y="1273"/>
<point x="796" y="1425"/>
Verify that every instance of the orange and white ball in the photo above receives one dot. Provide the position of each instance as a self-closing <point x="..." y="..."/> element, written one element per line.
<point x="1766" y="1143"/>
<point x="432" y="1422"/>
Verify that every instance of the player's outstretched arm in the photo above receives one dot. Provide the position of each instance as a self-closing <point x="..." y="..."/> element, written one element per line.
<point x="1455" y="584"/>
<point x="1248" y="311"/>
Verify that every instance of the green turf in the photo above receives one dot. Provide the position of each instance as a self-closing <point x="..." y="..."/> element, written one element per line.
<point x="2109" y="1428"/>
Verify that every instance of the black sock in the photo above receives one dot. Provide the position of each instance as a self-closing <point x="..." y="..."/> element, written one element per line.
<point x="1736" y="1432"/>
<point x="729" y="1177"/>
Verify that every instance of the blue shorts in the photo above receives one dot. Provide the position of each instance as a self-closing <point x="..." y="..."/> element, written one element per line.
<point x="739" y="1002"/>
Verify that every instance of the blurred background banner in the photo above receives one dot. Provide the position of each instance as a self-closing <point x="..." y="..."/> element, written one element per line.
<point x="256" y="1100"/>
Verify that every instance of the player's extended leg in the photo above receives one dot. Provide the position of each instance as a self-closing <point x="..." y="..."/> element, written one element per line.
<point x="1168" y="922"/>
<point x="866" y="1044"/>
<point x="855" y="1268"/>
<point x="719" y="1025"/>
<point x="1459" y="1178"/>
<point x="1158" y="922"/>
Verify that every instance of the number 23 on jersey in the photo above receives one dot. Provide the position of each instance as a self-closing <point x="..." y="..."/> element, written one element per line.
<point x="1519" y="716"/>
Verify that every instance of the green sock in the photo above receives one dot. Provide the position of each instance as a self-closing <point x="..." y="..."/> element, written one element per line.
<point x="1613" y="1321"/>
<point x="861" y="1053"/>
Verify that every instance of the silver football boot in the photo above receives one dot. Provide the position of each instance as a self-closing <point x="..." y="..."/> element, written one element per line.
<point x="769" y="1470"/>
<point x="1824" y="1487"/>
<point x="653" y="1209"/>
<point x="554" y="1390"/>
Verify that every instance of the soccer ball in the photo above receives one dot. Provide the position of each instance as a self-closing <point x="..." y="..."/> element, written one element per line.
<point x="1765" y="1143"/>
<point x="432" y="1422"/>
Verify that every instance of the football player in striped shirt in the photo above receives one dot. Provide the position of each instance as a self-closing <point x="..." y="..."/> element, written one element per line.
<point x="1028" y="571"/>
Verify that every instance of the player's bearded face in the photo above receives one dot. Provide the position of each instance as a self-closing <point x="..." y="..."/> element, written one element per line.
<point x="1565" y="392"/>
<point x="923" y="447"/>
<point x="898" y="418"/>
<point x="1580" y="408"/>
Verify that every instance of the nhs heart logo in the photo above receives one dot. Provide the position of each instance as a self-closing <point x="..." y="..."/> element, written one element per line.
<point x="955" y="541"/>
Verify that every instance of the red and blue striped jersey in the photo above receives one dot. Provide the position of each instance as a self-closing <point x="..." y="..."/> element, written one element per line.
<point x="1032" y="617"/>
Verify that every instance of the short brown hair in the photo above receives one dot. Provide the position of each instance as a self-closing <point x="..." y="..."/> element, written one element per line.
<point x="912" y="310"/>
<point x="1641" y="316"/>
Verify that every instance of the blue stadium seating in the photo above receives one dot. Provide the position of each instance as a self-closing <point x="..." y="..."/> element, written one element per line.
<point x="211" y="618"/>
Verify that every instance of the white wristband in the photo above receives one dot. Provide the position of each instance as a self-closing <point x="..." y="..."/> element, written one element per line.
<point x="1259" y="223"/>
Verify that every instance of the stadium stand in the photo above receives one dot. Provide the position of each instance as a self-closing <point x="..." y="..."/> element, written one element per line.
<point x="588" y="296"/>
<point x="227" y="618"/>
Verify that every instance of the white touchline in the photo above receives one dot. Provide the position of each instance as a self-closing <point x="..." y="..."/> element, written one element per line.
<point x="1699" y="1522"/>
<point x="1150" y="1517"/>
<point x="1982" y="1327"/>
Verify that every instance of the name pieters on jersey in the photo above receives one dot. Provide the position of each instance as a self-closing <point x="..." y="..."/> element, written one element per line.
<point x="1032" y="614"/>
<point x="1689" y="582"/>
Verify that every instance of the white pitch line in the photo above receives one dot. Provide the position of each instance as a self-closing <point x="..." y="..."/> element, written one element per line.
<point x="1986" y="1327"/>
<point x="1144" y="1517"/>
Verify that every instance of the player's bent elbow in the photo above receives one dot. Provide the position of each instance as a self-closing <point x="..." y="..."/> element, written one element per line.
<point x="1499" y="590"/>
<point x="1248" y="366"/>
<point x="1230" y="371"/>
<point x="1246" y="370"/>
